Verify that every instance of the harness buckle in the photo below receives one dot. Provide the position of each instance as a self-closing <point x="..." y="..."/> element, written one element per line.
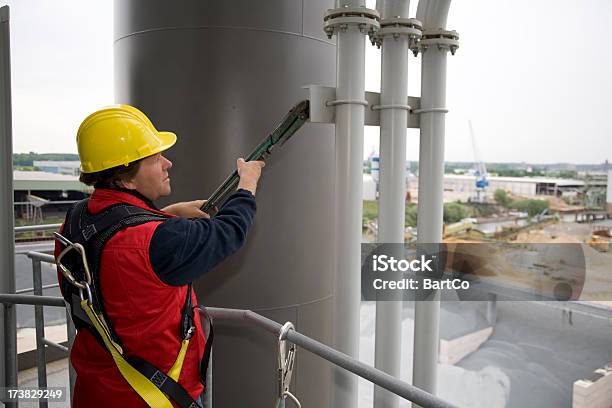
<point x="189" y="333"/>
<point x="89" y="231"/>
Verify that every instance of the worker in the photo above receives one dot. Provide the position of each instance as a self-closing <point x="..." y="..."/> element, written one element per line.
<point x="143" y="272"/>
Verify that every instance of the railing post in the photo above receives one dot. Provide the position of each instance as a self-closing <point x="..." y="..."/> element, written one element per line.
<point x="71" y="331"/>
<point x="10" y="341"/>
<point x="7" y="238"/>
<point x="208" y="395"/>
<point x="492" y="309"/>
<point x="39" y="319"/>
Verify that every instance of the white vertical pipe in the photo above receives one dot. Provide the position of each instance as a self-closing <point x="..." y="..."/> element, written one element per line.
<point x="391" y="213"/>
<point x="609" y="192"/>
<point x="348" y="203"/>
<point x="8" y="337"/>
<point x="433" y="14"/>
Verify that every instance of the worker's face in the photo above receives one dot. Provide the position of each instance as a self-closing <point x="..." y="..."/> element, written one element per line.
<point x="152" y="179"/>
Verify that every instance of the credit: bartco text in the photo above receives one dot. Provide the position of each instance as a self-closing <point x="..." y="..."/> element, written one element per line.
<point x="415" y="284"/>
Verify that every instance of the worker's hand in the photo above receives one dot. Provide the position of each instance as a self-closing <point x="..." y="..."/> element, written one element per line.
<point x="249" y="173"/>
<point x="187" y="209"/>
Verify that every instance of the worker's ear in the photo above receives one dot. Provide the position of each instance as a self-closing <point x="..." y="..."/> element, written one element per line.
<point x="128" y="184"/>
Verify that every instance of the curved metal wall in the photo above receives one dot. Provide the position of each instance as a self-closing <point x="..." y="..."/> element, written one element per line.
<point x="221" y="74"/>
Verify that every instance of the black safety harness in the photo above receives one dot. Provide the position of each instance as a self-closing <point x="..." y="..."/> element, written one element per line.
<point x="88" y="234"/>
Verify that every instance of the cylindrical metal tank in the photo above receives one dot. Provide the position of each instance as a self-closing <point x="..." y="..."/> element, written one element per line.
<point x="221" y="74"/>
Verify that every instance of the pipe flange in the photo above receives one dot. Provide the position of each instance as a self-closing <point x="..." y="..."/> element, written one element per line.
<point x="367" y="20"/>
<point x="442" y="39"/>
<point x="397" y="27"/>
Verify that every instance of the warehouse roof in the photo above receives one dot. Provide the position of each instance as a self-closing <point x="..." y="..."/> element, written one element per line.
<point x="41" y="180"/>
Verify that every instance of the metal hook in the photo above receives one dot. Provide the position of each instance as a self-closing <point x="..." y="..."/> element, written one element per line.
<point x="65" y="271"/>
<point x="286" y="359"/>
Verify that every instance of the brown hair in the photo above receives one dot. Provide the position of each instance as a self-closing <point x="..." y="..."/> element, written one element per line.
<point x="111" y="178"/>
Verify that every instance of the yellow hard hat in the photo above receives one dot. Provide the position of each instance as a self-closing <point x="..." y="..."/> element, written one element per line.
<point x="118" y="135"/>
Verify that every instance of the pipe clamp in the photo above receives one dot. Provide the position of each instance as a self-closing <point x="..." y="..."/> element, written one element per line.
<point x="429" y="110"/>
<point x="347" y="102"/>
<point x="396" y="106"/>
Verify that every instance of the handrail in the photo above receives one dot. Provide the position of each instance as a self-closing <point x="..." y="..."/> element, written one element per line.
<point x="42" y="227"/>
<point x="39" y="256"/>
<point x="380" y="378"/>
<point x="38" y="300"/>
<point x="44" y="287"/>
<point x="9" y="298"/>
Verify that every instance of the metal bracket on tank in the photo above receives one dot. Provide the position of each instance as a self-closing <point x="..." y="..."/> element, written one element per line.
<point x="323" y="106"/>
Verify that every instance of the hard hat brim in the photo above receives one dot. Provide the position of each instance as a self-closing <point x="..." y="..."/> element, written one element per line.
<point x="168" y="139"/>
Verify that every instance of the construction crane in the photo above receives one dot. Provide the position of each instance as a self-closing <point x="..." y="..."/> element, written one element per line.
<point x="480" y="170"/>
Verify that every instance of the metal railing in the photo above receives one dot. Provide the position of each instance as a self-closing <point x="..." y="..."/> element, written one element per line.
<point x="42" y="227"/>
<point x="39" y="301"/>
<point x="378" y="377"/>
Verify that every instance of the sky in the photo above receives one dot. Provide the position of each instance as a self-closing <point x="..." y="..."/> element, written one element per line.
<point x="533" y="76"/>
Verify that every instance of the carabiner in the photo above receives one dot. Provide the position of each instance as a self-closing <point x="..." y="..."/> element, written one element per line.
<point x="85" y="286"/>
<point x="286" y="360"/>
<point x="65" y="271"/>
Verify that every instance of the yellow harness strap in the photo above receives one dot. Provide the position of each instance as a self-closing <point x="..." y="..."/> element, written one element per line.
<point x="141" y="384"/>
<point x="175" y="370"/>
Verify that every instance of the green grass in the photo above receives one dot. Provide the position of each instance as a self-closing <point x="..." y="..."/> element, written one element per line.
<point x="370" y="212"/>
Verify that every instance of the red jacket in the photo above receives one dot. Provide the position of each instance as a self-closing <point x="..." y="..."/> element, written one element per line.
<point x="144" y="312"/>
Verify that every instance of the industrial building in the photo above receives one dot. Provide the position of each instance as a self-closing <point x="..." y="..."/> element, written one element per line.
<point x="298" y="279"/>
<point x="49" y="191"/>
<point x="60" y="167"/>
<point x="519" y="186"/>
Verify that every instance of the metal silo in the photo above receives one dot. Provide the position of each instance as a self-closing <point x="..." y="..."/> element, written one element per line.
<point x="221" y="74"/>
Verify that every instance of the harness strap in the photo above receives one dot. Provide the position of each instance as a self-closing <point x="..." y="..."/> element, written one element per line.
<point x="151" y="384"/>
<point x="165" y="383"/>
<point x="147" y="390"/>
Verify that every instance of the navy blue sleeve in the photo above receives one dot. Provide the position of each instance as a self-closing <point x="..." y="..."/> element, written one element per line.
<point x="183" y="249"/>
